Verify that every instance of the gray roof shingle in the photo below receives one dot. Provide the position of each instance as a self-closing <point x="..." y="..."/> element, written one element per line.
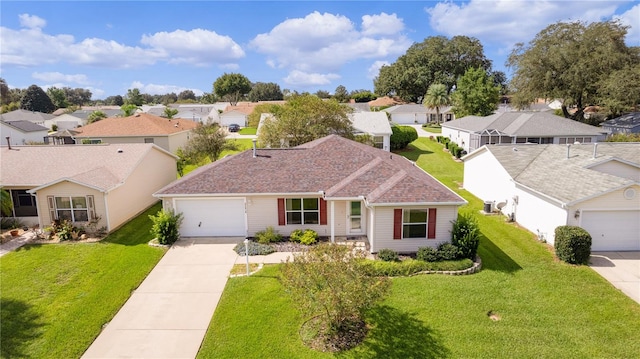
<point x="340" y="167"/>
<point x="25" y="126"/>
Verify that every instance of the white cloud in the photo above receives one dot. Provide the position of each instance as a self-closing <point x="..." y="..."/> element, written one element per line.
<point x="156" y="89"/>
<point x="60" y="77"/>
<point x="31" y="21"/>
<point x="300" y="78"/>
<point x="198" y="47"/>
<point x="511" y="21"/>
<point x="374" y="69"/>
<point x="383" y="24"/>
<point x="322" y="43"/>
<point x="631" y="18"/>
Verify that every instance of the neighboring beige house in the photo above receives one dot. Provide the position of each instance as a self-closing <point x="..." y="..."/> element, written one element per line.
<point x="110" y="183"/>
<point x="541" y="187"/>
<point x="139" y="128"/>
<point x="65" y="122"/>
<point x="414" y="114"/>
<point x="335" y="186"/>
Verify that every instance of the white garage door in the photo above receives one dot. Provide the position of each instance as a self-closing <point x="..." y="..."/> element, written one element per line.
<point x="212" y="217"/>
<point x="613" y="230"/>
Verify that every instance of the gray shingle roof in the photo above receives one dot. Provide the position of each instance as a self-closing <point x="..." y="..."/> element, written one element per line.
<point x="24" y="115"/>
<point x="335" y="165"/>
<point x="531" y="124"/>
<point x="371" y="122"/>
<point x="25" y="126"/>
<point x="629" y="120"/>
<point x="546" y="168"/>
<point x="99" y="166"/>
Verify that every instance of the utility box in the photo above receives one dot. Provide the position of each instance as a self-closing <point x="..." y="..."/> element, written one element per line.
<point x="488" y="206"/>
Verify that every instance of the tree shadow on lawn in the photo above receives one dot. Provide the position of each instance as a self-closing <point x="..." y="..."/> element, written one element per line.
<point x="19" y="325"/>
<point x="397" y="334"/>
<point x="493" y="258"/>
<point x="412" y="152"/>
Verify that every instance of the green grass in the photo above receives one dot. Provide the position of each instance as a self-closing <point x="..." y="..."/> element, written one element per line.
<point x="432" y="129"/>
<point x="248" y="131"/>
<point x="56" y="297"/>
<point x="242" y="144"/>
<point x="547" y="309"/>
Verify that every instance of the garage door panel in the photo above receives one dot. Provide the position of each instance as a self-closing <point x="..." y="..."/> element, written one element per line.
<point x="613" y="230"/>
<point x="212" y="218"/>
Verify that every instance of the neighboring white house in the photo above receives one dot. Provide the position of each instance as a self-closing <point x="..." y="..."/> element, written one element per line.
<point x="374" y="124"/>
<point x="21" y="133"/>
<point x="65" y="122"/>
<point x="541" y="187"/>
<point x="335" y="186"/>
<point x="234" y="116"/>
<point x="472" y="132"/>
<point x="412" y="114"/>
<point x="39" y="118"/>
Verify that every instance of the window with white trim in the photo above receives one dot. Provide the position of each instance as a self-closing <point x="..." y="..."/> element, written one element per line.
<point x="73" y="209"/>
<point x="302" y="210"/>
<point x="414" y="223"/>
<point x="378" y="141"/>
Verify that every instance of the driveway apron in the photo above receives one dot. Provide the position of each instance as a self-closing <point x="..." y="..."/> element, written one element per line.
<point x="622" y="269"/>
<point x="168" y="314"/>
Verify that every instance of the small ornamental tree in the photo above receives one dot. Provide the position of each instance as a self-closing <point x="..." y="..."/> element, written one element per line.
<point x="330" y="288"/>
<point x="166" y="226"/>
<point x="572" y="244"/>
<point x="466" y="236"/>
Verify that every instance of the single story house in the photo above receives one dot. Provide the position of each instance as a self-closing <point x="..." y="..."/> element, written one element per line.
<point x="473" y="132"/>
<point x="335" y="186"/>
<point x="541" y="187"/>
<point x="85" y="112"/>
<point x="39" y="118"/>
<point x="625" y="124"/>
<point x="106" y="183"/>
<point x="414" y="114"/>
<point x="65" y="122"/>
<point x="374" y="124"/>
<point x="235" y="115"/>
<point x="169" y="134"/>
<point x="21" y="132"/>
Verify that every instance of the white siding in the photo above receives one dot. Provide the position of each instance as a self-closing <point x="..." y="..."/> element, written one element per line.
<point x="538" y="215"/>
<point x="383" y="228"/>
<point x="486" y="179"/>
<point x="19" y="138"/>
<point x="461" y="138"/>
<point x="236" y="117"/>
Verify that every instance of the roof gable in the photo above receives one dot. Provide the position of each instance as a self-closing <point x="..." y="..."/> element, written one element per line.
<point x="25" y="126"/>
<point x="140" y="124"/>
<point x="338" y="167"/>
<point x="99" y="166"/>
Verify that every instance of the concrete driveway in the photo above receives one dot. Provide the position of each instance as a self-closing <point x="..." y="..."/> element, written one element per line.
<point x="622" y="269"/>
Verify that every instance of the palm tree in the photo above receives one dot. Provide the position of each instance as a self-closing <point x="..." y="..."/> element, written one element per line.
<point x="436" y="97"/>
<point x="6" y="205"/>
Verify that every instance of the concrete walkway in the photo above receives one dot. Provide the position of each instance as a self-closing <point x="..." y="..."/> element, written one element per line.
<point x="622" y="269"/>
<point x="16" y="243"/>
<point x="168" y="315"/>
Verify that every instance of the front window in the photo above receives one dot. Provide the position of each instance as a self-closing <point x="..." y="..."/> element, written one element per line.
<point x="73" y="209"/>
<point x="302" y="210"/>
<point x="24" y="204"/>
<point x="414" y="223"/>
<point x="378" y="141"/>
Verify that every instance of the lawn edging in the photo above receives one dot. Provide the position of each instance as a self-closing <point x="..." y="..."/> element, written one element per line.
<point x="475" y="268"/>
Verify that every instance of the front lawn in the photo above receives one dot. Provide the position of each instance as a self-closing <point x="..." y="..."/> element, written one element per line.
<point x="523" y="304"/>
<point x="248" y="131"/>
<point x="56" y="297"/>
<point x="242" y="144"/>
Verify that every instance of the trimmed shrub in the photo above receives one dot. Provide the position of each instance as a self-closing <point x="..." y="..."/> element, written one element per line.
<point x="166" y="226"/>
<point x="410" y="266"/>
<point x="388" y="255"/>
<point x="572" y="244"/>
<point x="402" y="136"/>
<point x="466" y="236"/>
<point x="448" y="252"/>
<point x="268" y="235"/>
<point x="307" y="237"/>
<point x="427" y="254"/>
<point x="255" y="249"/>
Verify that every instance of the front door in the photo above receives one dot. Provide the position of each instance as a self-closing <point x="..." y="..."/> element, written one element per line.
<point x="355" y="218"/>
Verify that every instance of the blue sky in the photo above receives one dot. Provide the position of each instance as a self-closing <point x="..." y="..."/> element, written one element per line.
<point x="158" y="47"/>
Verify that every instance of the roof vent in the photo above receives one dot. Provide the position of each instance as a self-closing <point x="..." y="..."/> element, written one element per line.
<point x="120" y="150"/>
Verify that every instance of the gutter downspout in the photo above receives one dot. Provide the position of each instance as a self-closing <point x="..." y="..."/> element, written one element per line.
<point x="106" y="211"/>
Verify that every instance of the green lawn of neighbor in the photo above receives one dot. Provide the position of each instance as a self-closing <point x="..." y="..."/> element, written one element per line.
<point x="242" y="144"/>
<point x="545" y="308"/>
<point x="55" y="298"/>
<point x="248" y="131"/>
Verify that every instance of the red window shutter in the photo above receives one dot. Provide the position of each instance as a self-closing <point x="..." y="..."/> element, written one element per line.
<point x="431" y="224"/>
<point x="281" y="216"/>
<point x="323" y="211"/>
<point x="397" y="223"/>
